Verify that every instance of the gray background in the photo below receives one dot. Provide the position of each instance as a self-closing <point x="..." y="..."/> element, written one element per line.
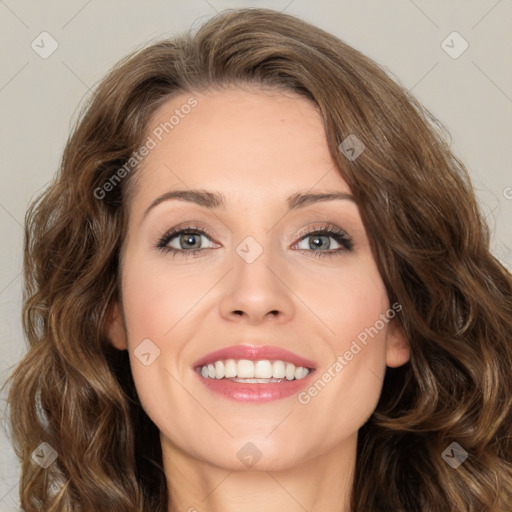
<point x="39" y="100"/>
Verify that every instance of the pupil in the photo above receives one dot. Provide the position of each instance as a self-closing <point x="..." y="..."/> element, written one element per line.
<point x="318" y="241"/>
<point x="189" y="239"/>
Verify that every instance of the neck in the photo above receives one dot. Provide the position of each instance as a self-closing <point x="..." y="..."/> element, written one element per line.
<point x="321" y="483"/>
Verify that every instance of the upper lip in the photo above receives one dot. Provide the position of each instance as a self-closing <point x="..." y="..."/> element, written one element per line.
<point x="254" y="353"/>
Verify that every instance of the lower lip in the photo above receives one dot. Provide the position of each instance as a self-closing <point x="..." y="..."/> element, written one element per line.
<point x="258" y="392"/>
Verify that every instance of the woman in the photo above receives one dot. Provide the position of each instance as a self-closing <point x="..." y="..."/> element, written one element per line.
<point x="261" y="280"/>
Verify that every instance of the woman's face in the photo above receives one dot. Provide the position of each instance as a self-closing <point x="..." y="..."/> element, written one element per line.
<point x="264" y="259"/>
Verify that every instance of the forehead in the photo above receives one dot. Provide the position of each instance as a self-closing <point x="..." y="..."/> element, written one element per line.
<point x="256" y="142"/>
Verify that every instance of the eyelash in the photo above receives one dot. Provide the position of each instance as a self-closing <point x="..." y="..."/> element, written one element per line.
<point x="337" y="234"/>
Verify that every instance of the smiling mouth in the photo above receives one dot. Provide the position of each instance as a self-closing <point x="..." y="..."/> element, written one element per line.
<point x="253" y="372"/>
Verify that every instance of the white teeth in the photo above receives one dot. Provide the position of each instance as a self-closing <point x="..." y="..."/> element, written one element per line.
<point x="229" y="369"/>
<point x="255" y="381"/>
<point x="263" y="369"/>
<point x="248" y="371"/>
<point x="219" y="370"/>
<point x="245" y="369"/>
<point x="300" y="372"/>
<point x="278" y="370"/>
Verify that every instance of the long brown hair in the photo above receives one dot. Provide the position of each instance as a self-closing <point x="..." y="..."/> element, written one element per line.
<point x="75" y="392"/>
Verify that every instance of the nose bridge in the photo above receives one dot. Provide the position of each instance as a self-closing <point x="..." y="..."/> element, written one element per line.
<point x="255" y="291"/>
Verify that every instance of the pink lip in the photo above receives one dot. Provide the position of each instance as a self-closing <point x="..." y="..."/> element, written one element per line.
<point x="259" y="392"/>
<point x="254" y="353"/>
<point x="256" y="392"/>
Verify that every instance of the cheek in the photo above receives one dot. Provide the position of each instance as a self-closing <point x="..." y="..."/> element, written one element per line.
<point x="349" y="301"/>
<point x="344" y="394"/>
<point x="157" y="295"/>
<point x="158" y="304"/>
<point x="357" y="312"/>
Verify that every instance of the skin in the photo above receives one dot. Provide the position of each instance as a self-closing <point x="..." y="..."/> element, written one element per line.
<point x="256" y="147"/>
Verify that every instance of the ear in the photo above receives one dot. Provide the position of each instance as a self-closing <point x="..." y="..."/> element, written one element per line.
<point x="397" y="347"/>
<point x="116" y="331"/>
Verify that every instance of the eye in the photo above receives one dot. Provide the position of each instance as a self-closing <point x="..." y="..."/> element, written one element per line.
<point x="191" y="241"/>
<point x="185" y="241"/>
<point x="325" y="242"/>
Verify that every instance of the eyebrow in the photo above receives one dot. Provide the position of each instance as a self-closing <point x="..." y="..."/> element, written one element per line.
<point x="215" y="200"/>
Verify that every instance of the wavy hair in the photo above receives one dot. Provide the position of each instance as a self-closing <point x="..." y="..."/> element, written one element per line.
<point x="74" y="391"/>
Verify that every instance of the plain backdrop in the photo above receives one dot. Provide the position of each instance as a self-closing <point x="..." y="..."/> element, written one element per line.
<point x="469" y="92"/>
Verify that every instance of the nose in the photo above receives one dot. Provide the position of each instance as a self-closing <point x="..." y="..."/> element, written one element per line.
<point x="256" y="292"/>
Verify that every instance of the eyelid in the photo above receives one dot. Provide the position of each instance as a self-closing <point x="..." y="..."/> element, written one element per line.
<point x="341" y="237"/>
<point x="325" y="227"/>
<point x="164" y="239"/>
<point x="185" y="226"/>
